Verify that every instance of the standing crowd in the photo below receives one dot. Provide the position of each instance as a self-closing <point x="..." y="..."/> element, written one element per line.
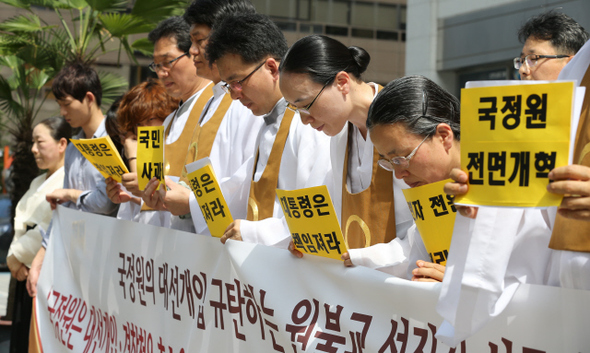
<point x="229" y="88"/>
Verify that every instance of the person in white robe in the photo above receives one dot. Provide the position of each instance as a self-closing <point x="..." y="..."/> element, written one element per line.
<point x="235" y="136"/>
<point x="247" y="49"/>
<point x="321" y="78"/>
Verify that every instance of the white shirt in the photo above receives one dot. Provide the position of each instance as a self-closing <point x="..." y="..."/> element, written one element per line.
<point x="305" y="163"/>
<point x="488" y="258"/>
<point x="178" y="122"/>
<point x="233" y="147"/>
<point x="32" y="216"/>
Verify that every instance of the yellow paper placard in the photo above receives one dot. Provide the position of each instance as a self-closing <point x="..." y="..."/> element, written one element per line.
<point x="511" y="138"/>
<point x="101" y="152"/>
<point x="312" y="221"/>
<point x="434" y="214"/>
<point x="210" y="199"/>
<point x="150" y="155"/>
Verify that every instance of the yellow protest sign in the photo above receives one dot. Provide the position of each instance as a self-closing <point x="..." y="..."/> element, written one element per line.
<point x="312" y="221"/>
<point x="511" y="138"/>
<point x="150" y="155"/>
<point x="101" y="152"/>
<point x="204" y="184"/>
<point x="434" y="214"/>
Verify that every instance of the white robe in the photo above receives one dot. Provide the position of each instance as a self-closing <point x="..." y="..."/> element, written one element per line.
<point x="305" y="163"/>
<point x="32" y="216"/>
<point x="233" y="147"/>
<point x="488" y="258"/>
<point x="393" y="257"/>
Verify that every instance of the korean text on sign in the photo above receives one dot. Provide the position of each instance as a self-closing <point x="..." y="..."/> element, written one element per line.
<point x="511" y="138"/>
<point x="209" y="196"/>
<point x="434" y="214"/>
<point x="101" y="152"/>
<point x="150" y="155"/>
<point x="312" y="221"/>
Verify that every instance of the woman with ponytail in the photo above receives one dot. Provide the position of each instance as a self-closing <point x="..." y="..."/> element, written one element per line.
<point x="321" y="79"/>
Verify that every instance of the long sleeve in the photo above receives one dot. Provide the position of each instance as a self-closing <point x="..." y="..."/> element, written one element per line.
<point x="488" y="258"/>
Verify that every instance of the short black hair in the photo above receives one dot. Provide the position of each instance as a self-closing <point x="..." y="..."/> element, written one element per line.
<point x="76" y="79"/>
<point x="210" y="12"/>
<point x="322" y="57"/>
<point x="563" y="32"/>
<point x="173" y="27"/>
<point x="418" y="103"/>
<point x="252" y="36"/>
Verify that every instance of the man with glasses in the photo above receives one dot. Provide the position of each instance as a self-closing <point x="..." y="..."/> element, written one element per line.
<point x="173" y="65"/>
<point x="550" y="39"/>
<point x="227" y="130"/>
<point x="247" y="50"/>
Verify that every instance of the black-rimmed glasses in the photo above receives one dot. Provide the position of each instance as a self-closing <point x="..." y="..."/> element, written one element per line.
<point x="531" y="59"/>
<point x="305" y="110"/>
<point x="236" y="86"/>
<point x="165" y="65"/>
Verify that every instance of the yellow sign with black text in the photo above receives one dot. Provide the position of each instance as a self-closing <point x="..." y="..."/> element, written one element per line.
<point x="434" y="214"/>
<point x="312" y="221"/>
<point x="150" y="155"/>
<point x="204" y="184"/>
<point x="511" y="138"/>
<point x="101" y="152"/>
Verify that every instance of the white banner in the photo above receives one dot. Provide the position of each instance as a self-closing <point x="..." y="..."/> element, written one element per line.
<point x="115" y="286"/>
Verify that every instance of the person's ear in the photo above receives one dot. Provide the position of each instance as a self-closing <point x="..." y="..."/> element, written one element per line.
<point x="342" y="81"/>
<point x="273" y="67"/>
<point x="446" y="135"/>
<point x="62" y="144"/>
<point x="90" y="98"/>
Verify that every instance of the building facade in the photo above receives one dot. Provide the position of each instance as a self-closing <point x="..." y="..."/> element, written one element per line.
<point x="455" y="41"/>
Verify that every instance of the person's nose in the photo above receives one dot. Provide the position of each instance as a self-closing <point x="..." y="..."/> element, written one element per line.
<point x="400" y="172"/>
<point x="524" y="71"/>
<point x="306" y="119"/>
<point x="235" y="95"/>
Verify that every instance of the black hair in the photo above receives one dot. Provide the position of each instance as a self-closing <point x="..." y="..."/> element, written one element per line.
<point x="323" y="57"/>
<point x="58" y="128"/>
<point x="252" y="36"/>
<point x="210" y="12"/>
<point x="563" y="32"/>
<point x="76" y="79"/>
<point x="418" y="103"/>
<point x="173" y="27"/>
<point x="112" y="128"/>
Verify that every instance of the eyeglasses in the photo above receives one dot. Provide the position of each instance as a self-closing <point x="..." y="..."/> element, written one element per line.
<point x="236" y="86"/>
<point x="531" y="59"/>
<point x="165" y="65"/>
<point x="305" y="110"/>
<point x="403" y="162"/>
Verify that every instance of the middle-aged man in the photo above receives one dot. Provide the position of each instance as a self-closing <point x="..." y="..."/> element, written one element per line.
<point x="247" y="50"/>
<point x="174" y="67"/>
<point x="227" y="130"/>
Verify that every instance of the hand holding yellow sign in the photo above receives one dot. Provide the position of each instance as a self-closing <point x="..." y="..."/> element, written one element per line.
<point x="511" y="138"/>
<point x="312" y="221"/>
<point x="204" y="184"/>
<point x="101" y="152"/>
<point x="150" y="155"/>
<point x="434" y="214"/>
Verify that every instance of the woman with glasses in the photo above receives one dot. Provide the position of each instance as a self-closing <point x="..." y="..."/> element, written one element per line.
<point x="321" y="79"/>
<point x="489" y="255"/>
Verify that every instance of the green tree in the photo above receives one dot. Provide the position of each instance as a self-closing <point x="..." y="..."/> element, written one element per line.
<point x="34" y="50"/>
